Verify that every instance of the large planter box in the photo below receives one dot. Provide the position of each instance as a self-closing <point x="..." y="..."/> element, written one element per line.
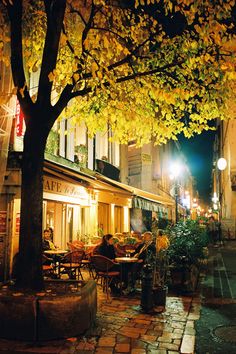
<point x="48" y="317"/>
<point x="159" y="295"/>
<point x="184" y="279"/>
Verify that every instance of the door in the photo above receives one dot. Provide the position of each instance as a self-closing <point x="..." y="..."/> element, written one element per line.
<point x="103" y="217"/>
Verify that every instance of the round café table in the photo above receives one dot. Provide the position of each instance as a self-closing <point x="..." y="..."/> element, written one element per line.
<point x="56" y="260"/>
<point x="126" y="259"/>
<point x="123" y="261"/>
<point x="56" y="252"/>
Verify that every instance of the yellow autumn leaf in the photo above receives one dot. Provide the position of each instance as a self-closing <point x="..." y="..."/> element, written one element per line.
<point x="51" y="76"/>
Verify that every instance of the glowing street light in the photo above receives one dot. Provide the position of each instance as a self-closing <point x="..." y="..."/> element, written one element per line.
<point x="175" y="170"/>
<point x="222" y="164"/>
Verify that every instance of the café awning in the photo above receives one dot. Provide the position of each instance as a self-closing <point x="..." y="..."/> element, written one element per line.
<point x="88" y="181"/>
<point x="142" y="199"/>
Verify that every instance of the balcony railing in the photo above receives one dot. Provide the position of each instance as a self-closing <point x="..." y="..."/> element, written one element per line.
<point x="107" y="169"/>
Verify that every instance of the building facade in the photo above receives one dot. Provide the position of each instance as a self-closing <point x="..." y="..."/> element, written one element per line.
<point x="92" y="186"/>
<point x="224" y="177"/>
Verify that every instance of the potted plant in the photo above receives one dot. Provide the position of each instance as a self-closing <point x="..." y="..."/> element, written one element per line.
<point x="81" y="152"/>
<point x="160" y="269"/>
<point x="188" y="241"/>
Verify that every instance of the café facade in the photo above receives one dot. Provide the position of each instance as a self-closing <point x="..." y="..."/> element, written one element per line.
<point x="76" y="206"/>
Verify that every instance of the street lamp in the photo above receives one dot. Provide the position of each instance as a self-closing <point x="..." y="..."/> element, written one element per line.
<point x="175" y="170"/>
<point x="221" y="165"/>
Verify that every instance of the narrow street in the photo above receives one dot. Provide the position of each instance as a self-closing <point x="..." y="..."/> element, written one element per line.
<point x="216" y="328"/>
<point x="204" y="320"/>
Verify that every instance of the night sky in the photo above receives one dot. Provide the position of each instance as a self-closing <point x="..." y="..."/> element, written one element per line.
<point x="199" y="153"/>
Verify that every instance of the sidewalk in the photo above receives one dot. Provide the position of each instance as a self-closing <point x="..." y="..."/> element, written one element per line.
<point x="121" y="327"/>
<point x="216" y="327"/>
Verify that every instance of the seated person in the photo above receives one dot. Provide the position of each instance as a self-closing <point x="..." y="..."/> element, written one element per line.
<point x="107" y="249"/>
<point x="47" y="245"/>
<point x="146" y="249"/>
<point x="145" y="252"/>
<point x="47" y="242"/>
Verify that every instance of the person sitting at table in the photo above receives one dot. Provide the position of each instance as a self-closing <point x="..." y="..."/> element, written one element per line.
<point x="145" y="252"/>
<point x="107" y="249"/>
<point x="48" y="245"/>
<point x="47" y="242"/>
<point x="147" y="248"/>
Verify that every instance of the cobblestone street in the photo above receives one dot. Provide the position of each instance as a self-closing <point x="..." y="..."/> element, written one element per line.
<point x="121" y="327"/>
<point x="186" y="325"/>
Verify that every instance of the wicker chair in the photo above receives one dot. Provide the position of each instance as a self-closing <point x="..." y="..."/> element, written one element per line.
<point x="71" y="264"/>
<point x="103" y="268"/>
<point x="49" y="270"/>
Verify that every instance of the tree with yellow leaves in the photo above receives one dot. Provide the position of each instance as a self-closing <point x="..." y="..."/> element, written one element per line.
<point x="149" y="68"/>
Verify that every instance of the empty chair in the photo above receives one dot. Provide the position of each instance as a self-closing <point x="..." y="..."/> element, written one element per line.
<point x="48" y="267"/>
<point x="105" y="270"/>
<point x="71" y="264"/>
<point x="75" y="245"/>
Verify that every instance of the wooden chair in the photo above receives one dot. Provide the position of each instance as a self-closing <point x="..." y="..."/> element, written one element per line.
<point x="71" y="264"/>
<point x="103" y="268"/>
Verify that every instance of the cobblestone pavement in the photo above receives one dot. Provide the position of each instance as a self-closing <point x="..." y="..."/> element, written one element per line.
<point x="186" y="324"/>
<point x="121" y="327"/>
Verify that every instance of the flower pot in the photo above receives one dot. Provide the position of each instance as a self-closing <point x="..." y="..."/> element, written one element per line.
<point x="159" y="295"/>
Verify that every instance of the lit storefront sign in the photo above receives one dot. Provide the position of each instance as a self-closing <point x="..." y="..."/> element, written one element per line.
<point x="19" y="120"/>
<point x="69" y="191"/>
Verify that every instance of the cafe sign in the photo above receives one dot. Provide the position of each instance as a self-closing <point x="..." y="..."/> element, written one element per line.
<point x="146" y="158"/>
<point x="63" y="188"/>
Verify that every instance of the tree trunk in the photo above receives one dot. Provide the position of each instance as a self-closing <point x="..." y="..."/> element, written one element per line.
<point x="29" y="274"/>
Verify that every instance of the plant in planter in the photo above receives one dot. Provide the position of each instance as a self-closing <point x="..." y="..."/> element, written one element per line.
<point x="188" y="241"/>
<point x="160" y="269"/>
<point x="81" y="154"/>
<point x="129" y="240"/>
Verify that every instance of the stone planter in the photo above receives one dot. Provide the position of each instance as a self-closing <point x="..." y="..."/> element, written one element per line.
<point x="184" y="279"/>
<point x="37" y="318"/>
<point x="159" y="295"/>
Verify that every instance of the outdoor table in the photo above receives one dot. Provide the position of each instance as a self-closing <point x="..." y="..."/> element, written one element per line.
<point x="123" y="261"/>
<point x="126" y="259"/>
<point x="55" y="259"/>
<point x="55" y="252"/>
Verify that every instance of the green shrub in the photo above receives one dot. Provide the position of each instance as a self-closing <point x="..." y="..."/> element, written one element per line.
<point x="187" y="243"/>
